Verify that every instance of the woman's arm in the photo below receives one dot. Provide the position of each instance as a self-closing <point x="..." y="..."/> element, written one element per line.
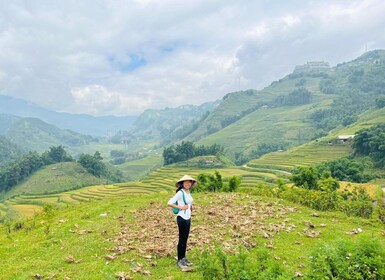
<point x="177" y="197"/>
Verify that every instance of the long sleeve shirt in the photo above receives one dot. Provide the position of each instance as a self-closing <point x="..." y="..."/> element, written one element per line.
<point x="178" y="197"/>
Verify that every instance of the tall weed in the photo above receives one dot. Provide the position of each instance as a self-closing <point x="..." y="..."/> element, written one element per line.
<point x="364" y="259"/>
<point x="243" y="265"/>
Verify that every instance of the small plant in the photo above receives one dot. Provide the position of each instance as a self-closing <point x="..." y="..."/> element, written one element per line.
<point x="364" y="259"/>
<point x="245" y="264"/>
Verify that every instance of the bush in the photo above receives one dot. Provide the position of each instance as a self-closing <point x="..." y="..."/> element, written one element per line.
<point x="245" y="264"/>
<point x="214" y="183"/>
<point x="364" y="259"/>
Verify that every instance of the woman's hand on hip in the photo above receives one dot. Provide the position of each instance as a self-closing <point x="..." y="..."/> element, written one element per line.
<point x="183" y="207"/>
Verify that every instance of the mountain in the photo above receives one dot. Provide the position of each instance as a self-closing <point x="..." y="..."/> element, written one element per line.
<point x="32" y="134"/>
<point x="169" y="124"/>
<point x="8" y="151"/>
<point x="304" y="105"/>
<point x="81" y="123"/>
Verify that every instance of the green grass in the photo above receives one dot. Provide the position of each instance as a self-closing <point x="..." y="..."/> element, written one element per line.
<point x="137" y="169"/>
<point x="136" y="222"/>
<point x="55" y="178"/>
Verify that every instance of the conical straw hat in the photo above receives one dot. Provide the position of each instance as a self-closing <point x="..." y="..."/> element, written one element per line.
<point x="186" y="178"/>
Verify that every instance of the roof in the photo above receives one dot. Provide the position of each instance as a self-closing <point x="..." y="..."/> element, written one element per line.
<point x="345" y="137"/>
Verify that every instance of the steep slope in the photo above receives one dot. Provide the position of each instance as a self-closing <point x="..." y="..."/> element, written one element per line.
<point x="31" y="134"/>
<point x="273" y="124"/>
<point x="319" y="150"/>
<point x="169" y="124"/>
<point x="55" y="178"/>
<point x="8" y="151"/>
<point x="302" y="106"/>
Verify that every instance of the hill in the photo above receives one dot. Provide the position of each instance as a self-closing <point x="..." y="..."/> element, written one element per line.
<point x="81" y="123"/>
<point x="8" y="151"/>
<point x="31" y="134"/>
<point x="55" y="178"/>
<point x="111" y="237"/>
<point x="167" y="125"/>
<point x="299" y="108"/>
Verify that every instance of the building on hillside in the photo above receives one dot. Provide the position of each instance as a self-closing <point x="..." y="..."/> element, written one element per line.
<point x="345" y="138"/>
<point x="312" y="66"/>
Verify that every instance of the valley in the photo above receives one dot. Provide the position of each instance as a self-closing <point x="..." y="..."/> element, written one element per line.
<point x="67" y="220"/>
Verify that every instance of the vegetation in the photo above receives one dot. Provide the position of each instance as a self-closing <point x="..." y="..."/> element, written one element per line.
<point x="8" y="151"/>
<point x="364" y="259"/>
<point x="348" y="169"/>
<point x="31" y="134"/>
<point x="333" y="228"/>
<point x="353" y="203"/>
<point x="259" y="264"/>
<point x="17" y="171"/>
<point x="299" y="96"/>
<point x="187" y="150"/>
<point x="104" y="238"/>
<point x="371" y="142"/>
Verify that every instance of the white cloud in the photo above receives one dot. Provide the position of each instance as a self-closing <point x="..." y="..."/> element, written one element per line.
<point x="121" y="57"/>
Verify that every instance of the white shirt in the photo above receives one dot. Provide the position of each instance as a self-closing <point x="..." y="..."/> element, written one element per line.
<point x="185" y="214"/>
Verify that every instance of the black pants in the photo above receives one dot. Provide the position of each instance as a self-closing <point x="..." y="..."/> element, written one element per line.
<point x="184" y="230"/>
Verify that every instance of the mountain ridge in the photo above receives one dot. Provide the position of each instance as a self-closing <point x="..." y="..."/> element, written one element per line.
<point x="81" y="123"/>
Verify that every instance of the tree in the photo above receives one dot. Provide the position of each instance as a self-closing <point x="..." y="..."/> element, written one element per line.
<point x="234" y="183"/>
<point x="56" y="154"/>
<point x="371" y="142"/>
<point x="93" y="164"/>
<point x="380" y="102"/>
<point x="305" y="177"/>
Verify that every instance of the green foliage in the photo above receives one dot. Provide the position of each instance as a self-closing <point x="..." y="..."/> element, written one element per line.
<point x="306" y="177"/>
<point x="215" y="183"/>
<point x="360" y="85"/>
<point x="299" y="96"/>
<point x="380" y="102"/>
<point x="245" y="264"/>
<point x="328" y="85"/>
<point x="32" y="134"/>
<point x="265" y="148"/>
<point x="93" y="164"/>
<point x="8" y="151"/>
<point x="234" y="183"/>
<point x="209" y="182"/>
<point x="15" y="172"/>
<point x="187" y="150"/>
<point x="346" y="169"/>
<point x="364" y="259"/>
<point x="55" y="154"/>
<point x="356" y="203"/>
<point x="371" y="142"/>
<point x="117" y="154"/>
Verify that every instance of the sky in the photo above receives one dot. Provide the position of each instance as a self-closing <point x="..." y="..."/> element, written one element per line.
<point x="115" y="57"/>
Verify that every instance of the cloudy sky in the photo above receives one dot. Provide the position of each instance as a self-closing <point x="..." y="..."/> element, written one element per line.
<point x="115" y="57"/>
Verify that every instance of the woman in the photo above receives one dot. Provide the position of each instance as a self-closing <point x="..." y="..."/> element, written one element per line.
<point x="182" y="200"/>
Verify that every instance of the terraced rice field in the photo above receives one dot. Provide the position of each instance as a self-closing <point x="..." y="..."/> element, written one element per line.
<point x="305" y="155"/>
<point x="265" y="170"/>
<point x="28" y="205"/>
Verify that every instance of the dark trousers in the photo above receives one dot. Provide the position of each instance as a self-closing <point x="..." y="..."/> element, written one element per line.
<point x="184" y="230"/>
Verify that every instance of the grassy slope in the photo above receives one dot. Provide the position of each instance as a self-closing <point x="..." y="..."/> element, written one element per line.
<point x="55" y="178"/>
<point x="75" y="241"/>
<point x="282" y="125"/>
<point x="315" y="152"/>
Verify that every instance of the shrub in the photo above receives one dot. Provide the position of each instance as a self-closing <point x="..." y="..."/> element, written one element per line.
<point x="364" y="259"/>
<point x="245" y="264"/>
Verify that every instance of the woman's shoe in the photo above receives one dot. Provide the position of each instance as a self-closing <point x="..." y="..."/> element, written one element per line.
<point x="181" y="264"/>
<point x="187" y="262"/>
